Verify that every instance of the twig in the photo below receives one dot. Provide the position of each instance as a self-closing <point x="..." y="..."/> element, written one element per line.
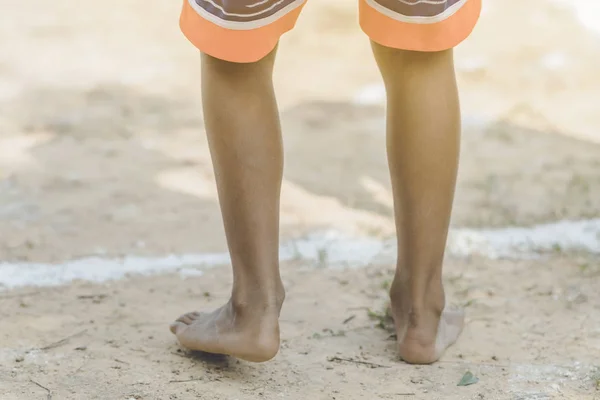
<point x="350" y="318"/>
<point x="138" y="350"/>
<point x="92" y="296"/>
<point x="49" y="396"/>
<point x="79" y="369"/>
<point x="30" y="293"/>
<point x="479" y="364"/>
<point x="360" y="328"/>
<point x="63" y="341"/>
<point x="12" y="296"/>
<point x="499" y="365"/>
<point x="187" y="380"/>
<point x="372" y="365"/>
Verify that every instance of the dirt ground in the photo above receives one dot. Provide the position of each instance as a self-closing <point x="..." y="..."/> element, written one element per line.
<point x="102" y="153"/>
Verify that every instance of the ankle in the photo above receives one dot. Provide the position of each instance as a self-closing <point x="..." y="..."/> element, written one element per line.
<point x="258" y="301"/>
<point x="417" y="303"/>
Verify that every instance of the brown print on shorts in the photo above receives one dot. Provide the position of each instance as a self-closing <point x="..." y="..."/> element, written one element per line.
<point x="417" y="8"/>
<point x="243" y="10"/>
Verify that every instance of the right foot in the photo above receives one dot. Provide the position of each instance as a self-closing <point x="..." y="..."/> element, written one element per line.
<point x="249" y="333"/>
<point x="423" y="337"/>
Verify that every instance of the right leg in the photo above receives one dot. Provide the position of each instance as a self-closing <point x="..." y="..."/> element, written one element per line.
<point x="412" y="43"/>
<point x="423" y="159"/>
<point x="244" y="136"/>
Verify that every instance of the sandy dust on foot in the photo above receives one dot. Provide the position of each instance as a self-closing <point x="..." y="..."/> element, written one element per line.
<point x="250" y="333"/>
<point x="421" y="346"/>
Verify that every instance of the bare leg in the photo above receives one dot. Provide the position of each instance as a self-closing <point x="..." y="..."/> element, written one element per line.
<point x="244" y="134"/>
<point x="423" y="138"/>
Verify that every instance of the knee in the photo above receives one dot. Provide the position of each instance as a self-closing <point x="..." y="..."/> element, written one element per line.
<point x="398" y="63"/>
<point x="427" y="58"/>
<point x="234" y="71"/>
<point x="401" y="55"/>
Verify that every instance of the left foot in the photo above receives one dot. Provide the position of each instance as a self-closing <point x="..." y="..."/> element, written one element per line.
<point x="249" y="333"/>
<point x="426" y="332"/>
<point x="417" y="344"/>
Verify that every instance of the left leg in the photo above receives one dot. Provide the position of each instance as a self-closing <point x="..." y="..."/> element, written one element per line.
<point x="244" y="136"/>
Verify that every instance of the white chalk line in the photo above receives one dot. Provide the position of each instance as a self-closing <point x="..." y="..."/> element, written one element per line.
<point x="329" y="249"/>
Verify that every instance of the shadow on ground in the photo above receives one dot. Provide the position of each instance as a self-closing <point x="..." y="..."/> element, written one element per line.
<point x="114" y="170"/>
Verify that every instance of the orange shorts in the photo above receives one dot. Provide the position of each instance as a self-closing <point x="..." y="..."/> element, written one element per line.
<point x="247" y="30"/>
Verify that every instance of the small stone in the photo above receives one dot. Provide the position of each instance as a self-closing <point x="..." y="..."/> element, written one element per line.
<point x="19" y="359"/>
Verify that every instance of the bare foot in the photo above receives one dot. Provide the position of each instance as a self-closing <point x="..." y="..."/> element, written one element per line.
<point x="248" y="333"/>
<point x="423" y="337"/>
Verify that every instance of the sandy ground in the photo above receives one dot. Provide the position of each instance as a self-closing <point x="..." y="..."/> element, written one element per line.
<point x="102" y="154"/>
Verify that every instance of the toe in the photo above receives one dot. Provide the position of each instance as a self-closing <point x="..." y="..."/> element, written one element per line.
<point x="183" y="321"/>
<point x="177" y="327"/>
<point x="455" y="322"/>
<point x="186" y="319"/>
<point x="193" y="315"/>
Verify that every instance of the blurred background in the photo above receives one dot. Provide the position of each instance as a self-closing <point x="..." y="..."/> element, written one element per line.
<point x="105" y="172"/>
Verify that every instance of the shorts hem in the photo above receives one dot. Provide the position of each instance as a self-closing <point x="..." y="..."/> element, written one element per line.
<point x="239" y="46"/>
<point x="438" y="36"/>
